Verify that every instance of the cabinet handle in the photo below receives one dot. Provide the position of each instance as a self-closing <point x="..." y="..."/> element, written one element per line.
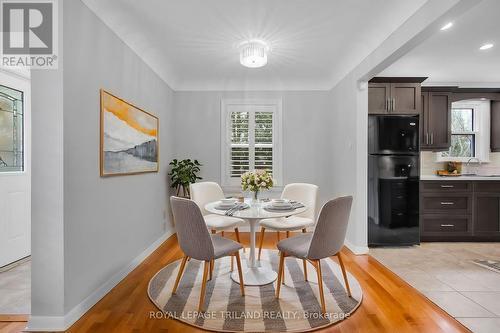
<point x="447" y="186"/>
<point x="426" y="138"/>
<point x="393" y="104"/>
<point x="387" y="105"/>
<point x="432" y="138"/>
<point x="447" y="203"/>
<point x="447" y="225"/>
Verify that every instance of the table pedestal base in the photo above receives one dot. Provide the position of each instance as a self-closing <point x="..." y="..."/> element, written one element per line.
<point x="255" y="276"/>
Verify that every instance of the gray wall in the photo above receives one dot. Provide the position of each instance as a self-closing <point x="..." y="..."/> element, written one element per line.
<point x="306" y="130"/>
<point x="107" y="221"/>
<point x="47" y="196"/>
<point x="349" y="142"/>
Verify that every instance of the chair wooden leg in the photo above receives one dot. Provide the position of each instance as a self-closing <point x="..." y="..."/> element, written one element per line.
<point x="280" y="273"/>
<point x="211" y="269"/>
<point x="304" y="262"/>
<point x="214" y="231"/>
<point x="320" y="285"/>
<point x="278" y="235"/>
<point x="232" y="265"/>
<point x="288" y="234"/>
<point x="179" y="274"/>
<point x="240" y="273"/>
<point x="237" y="234"/>
<point x="262" y="230"/>
<point x="344" y="274"/>
<point x="203" y="286"/>
<point x="222" y="233"/>
<point x="283" y="274"/>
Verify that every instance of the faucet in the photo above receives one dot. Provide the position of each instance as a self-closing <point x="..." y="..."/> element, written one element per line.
<point x="472" y="158"/>
<point x="469" y="160"/>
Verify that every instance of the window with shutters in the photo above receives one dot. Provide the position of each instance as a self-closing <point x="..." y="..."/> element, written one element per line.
<point x="251" y="139"/>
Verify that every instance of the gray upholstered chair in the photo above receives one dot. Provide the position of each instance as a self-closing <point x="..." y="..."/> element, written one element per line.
<point x="197" y="243"/>
<point x="327" y="240"/>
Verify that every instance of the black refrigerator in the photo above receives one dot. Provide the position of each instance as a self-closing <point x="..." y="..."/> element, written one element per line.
<point x="393" y="180"/>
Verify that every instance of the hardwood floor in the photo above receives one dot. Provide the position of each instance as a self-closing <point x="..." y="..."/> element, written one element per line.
<point x="389" y="304"/>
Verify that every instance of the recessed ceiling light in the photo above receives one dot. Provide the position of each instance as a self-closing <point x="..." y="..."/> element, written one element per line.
<point x="447" y="26"/>
<point x="486" y="46"/>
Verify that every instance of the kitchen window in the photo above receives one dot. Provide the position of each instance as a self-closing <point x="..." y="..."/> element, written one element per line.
<point x="251" y="139"/>
<point x="469" y="132"/>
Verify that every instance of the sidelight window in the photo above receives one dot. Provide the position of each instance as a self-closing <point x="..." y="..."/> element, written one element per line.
<point x="11" y="130"/>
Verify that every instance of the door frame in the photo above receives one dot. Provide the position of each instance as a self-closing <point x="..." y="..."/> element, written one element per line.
<point x="20" y="80"/>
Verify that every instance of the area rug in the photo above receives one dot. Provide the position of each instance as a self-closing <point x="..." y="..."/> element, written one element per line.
<point x="297" y="310"/>
<point x="489" y="264"/>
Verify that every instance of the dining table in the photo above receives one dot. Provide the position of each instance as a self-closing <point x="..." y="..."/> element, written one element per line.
<point x="255" y="274"/>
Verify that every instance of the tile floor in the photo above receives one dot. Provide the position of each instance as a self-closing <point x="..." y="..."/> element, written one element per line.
<point x="444" y="272"/>
<point x="15" y="290"/>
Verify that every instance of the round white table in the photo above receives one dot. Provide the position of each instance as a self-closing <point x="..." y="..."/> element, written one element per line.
<point x="254" y="274"/>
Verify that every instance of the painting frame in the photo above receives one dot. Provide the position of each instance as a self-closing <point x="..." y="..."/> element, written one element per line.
<point x="102" y="129"/>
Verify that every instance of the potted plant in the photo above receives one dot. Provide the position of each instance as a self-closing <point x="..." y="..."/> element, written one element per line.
<point x="256" y="181"/>
<point x="183" y="173"/>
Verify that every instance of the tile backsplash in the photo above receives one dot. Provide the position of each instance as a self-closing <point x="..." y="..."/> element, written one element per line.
<point x="429" y="166"/>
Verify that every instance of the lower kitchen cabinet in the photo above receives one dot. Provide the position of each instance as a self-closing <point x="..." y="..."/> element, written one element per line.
<point x="460" y="210"/>
<point x="487" y="214"/>
<point x="437" y="224"/>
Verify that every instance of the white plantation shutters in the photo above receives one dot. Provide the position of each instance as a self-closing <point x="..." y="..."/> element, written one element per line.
<point x="240" y="143"/>
<point x="263" y="137"/>
<point x="251" y="139"/>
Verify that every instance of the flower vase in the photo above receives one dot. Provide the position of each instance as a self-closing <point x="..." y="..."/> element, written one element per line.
<point x="255" y="199"/>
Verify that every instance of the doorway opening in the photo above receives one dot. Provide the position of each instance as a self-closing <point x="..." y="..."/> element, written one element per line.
<point x="15" y="194"/>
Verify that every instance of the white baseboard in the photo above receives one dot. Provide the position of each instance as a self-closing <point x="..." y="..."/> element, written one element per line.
<point x="356" y="249"/>
<point x="46" y="323"/>
<point x="62" y="323"/>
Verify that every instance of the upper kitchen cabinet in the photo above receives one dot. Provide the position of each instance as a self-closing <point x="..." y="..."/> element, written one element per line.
<point x="495" y="126"/>
<point x="435" y="123"/>
<point x="396" y="95"/>
<point x="378" y="98"/>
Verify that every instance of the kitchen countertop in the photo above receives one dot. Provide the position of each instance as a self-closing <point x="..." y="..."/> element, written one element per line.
<point x="434" y="177"/>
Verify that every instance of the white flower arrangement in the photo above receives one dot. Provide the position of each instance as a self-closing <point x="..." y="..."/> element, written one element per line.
<point x="256" y="181"/>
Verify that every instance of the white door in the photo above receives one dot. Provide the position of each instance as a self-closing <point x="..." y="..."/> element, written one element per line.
<point x="15" y="168"/>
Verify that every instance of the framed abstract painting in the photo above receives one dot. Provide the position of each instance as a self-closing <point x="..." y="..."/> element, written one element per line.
<point x="129" y="138"/>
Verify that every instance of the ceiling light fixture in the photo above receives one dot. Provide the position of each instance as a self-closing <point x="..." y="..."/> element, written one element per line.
<point x="447" y="26"/>
<point x="486" y="46"/>
<point x="253" y="53"/>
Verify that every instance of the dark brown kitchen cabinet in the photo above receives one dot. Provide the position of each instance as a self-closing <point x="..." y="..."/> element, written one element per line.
<point x="495" y="126"/>
<point x="378" y="98"/>
<point x="487" y="214"/>
<point x="405" y="98"/>
<point x="394" y="97"/>
<point x="435" y="123"/>
<point x="459" y="210"/>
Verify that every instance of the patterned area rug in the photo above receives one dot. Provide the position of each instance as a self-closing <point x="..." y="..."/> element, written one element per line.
<point x="489" y="264"/>
<point x="297" y="310"/>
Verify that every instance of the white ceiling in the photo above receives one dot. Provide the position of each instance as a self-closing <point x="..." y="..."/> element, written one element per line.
<point x="315" y="43"/>
<point x="453" y="56"/>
